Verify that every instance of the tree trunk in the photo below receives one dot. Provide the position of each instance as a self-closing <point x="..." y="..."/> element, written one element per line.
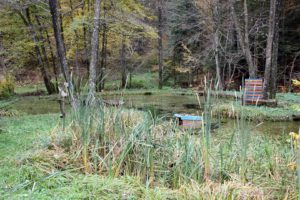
<point x="244" y="40"/>
<point x="252" y="67"/>
<point x="160" y="42"/>
<point x="46" y="60"/>
<point x="85" y="39"/>
<point x="61" y="23"/>
<point x="95" y="48"/>
<point x="78" y="77"/>
<point x="100" y="82"/>
<point x="61" y="51"/>
<point x="47" y="79"/>
<point x="274" y="69"/>
<point x="216" y="19"/>
<point x="55" y="68"/>
<point x="269" y="48"/>
<point x="123" y="63"/>
<point x="292" y="70"/>
<point x="2" y="64"/>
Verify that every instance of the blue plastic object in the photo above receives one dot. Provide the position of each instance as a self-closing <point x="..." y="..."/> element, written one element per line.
<point x="188" y="117"/>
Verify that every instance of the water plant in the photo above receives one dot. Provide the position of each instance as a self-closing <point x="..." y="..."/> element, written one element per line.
<point x="113" y="143"/>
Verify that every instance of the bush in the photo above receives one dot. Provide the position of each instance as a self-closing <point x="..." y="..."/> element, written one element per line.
<point x="7" y="87"/>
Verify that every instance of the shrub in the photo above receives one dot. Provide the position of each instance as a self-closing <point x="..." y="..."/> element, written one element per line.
<point x="7" y="87"/>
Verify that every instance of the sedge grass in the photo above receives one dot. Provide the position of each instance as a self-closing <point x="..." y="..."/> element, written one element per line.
<point x="161" y="161"/>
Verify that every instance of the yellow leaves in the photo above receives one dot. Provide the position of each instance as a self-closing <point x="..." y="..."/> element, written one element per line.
<point x="6" y="86"/>
<point x="131" y="6"/>
<point x="295" y="136"/>
<point x="295" y="139"/>
<point x="292" y="166"/>
<point x="296" y="83"/>
<point x="182" y="69"/>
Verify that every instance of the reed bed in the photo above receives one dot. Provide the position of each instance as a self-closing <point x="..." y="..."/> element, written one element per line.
<point x="116" y="142"/>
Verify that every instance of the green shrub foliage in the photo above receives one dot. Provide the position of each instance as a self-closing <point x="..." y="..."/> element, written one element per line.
<point x="7" y="87"/>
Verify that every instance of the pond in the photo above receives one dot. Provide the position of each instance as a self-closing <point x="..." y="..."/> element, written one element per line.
<point x="163" y="105"/>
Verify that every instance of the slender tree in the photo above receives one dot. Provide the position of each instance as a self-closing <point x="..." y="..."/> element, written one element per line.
<point x="269" y="49"/>
<point x="274" y="69"/>
<point x="103" y="63"/>
<point x="54" y="66"/>
<point x="41" y="63"/>
<point x="216" y="19"/>
<point x="244" y="39"/>
<point x="61" y="50"/>
<point x="123" y="63"/>
<point x="160" y="42"/>
<point x="94" y="51"/>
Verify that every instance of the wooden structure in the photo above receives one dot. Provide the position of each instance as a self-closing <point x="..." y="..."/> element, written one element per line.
<point x="253" y="91"/>
<point x="188" y="121"/>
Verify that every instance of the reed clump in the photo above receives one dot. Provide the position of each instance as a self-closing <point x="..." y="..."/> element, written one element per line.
<point x="115" y="142"/>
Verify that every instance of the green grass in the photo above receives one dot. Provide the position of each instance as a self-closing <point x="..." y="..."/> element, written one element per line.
<point x="257" y="113"/>
<point x="27" y="167"/>
<point x="30" y="88"/>
<point x="33" y="105"/>
<point x="131" y="155"/>
<point x="139" y="81"/>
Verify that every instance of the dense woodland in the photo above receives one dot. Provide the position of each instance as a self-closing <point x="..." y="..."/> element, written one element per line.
<point x="184" y="40"/>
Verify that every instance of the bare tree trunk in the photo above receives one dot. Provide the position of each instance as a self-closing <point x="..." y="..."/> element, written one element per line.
<point x="77" y="82"/>
<point x="292" y="70"/>
<point x="100" y="82"/>
<point x="216" y="19"/>
<point x="252" y="67"/>
<point x="95" y="48"/>
<point x="61" y="51"/>
<point x="160" y="42"/>
<point x="123" y="63"/>
<point x="2" y="64"/>
<point x="61" y="23"/>
<point x="55" y="68"/>
<point x="85" y="39"/>
<point x="274" y="69"/>
<point x="244" y="40"/>
<point x="47" y="79"/>
<point x="103" y="58"/>
<point x="269" y="48"/>
<point x="45" y="53"/>
<point x="46" y="60"/>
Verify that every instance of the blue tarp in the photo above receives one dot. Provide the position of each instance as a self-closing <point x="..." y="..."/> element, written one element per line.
<point x="188" y="117"/>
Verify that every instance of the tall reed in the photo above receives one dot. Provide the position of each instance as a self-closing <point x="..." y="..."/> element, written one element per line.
<point x="115" y="141"/>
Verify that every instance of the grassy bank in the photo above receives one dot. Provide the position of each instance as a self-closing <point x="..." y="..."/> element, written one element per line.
<point x="258" y="113"/>
<point x="129" y="155"/>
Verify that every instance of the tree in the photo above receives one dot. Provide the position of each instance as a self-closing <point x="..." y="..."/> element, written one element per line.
<point x="244" y="39"/>
<point x="123" y="62"/>
<point x="216" y="19"/>
<point x="103" y="64"/>
<point x="60" y="47"/>
<point x="274" y="70"/>
<point x="94" y="50"/>
<point x="42" y="63"/>
<point x="160" y="41"/>
<point x="183" y="24"/>
<point x="269" y="48"/>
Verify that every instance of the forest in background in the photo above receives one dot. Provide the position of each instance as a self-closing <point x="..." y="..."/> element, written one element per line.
<point x="183" y="40"/>
<point x="142" y="99"/>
